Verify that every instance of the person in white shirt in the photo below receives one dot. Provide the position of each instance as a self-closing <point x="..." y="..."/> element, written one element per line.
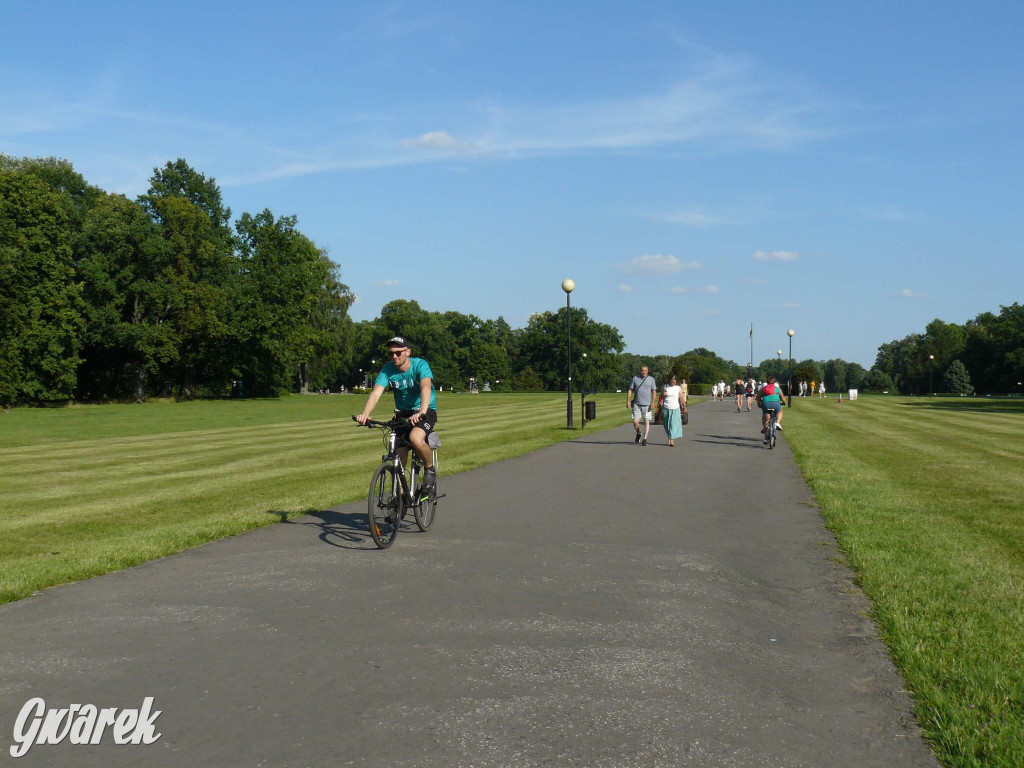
<point x="673" y="405"/>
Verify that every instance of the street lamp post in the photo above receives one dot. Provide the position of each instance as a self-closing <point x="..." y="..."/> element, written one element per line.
<point x="568" y="286"/>
<point x="779" y="353"/>
<point x="931" y="365"/>
<point x="790" y="393"/>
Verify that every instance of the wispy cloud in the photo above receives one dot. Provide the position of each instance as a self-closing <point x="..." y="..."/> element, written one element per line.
<point x="776" y="256"/>
<point x="623" y="288"/>
<point x="434" y="140"/>
<point x="907" y="293"/>
<point x="695" y="217"/>
<point x="657" y="264"/>
<point x="727" y="109"/>
<point x="709" y="289"/>
<point x="385" y="283"/>
<point x="678" y="289"/>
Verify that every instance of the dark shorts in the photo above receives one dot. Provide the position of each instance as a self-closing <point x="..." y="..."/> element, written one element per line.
<point x="427" y="423"/>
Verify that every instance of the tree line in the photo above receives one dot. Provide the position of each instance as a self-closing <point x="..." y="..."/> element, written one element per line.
<point x="102" y="297"/>
<point x="985" y="354"/>
<point x="107" y="298"/>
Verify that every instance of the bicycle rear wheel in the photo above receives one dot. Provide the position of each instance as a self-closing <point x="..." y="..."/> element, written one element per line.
<point x="771" y="427"/>
<point x="385" y="506"/>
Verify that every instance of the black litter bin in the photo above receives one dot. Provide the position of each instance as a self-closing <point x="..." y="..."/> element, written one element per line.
<point x="590" y="410"/>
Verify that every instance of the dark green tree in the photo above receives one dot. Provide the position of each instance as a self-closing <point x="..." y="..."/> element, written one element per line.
<point x="877" y="380"/>
<point x="279" y="285"/>
<point x="333" y="333"/>
<point x="194" y="222"/>
<point x="41" y="306"/>
<point x="956" y="379"/>
<point x="123" y="265"/>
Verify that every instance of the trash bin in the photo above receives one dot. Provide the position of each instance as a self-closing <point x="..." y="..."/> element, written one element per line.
<point x="590" y="410"/>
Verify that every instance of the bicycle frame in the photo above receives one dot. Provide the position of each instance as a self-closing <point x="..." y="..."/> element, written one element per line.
<point x="407" y="486"/>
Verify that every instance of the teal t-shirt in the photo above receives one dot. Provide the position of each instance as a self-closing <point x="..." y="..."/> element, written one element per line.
<point x="406" y="385"/>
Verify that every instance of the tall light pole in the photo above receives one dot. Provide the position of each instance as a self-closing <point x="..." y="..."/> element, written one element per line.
<point x="568" y="286"/>
<point x="790" y="393"/>
<point x="779" y="353"/>
<point x="931" y="364"/>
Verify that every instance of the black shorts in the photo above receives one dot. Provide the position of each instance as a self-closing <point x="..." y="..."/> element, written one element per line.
<point x="427" y="423"/>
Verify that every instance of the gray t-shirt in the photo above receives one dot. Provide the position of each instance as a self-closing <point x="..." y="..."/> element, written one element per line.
<point x="643" y="390"/>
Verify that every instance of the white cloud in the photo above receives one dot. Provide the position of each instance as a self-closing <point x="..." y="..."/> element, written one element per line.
<point x="792" y="305"/>
<point x="678" y="289"/>
<point x="433" y="140"/>
<point x="776" y="256"/>
<point x="385" y="283"/>
<point x="657" y="264"/>
<point x="623" y="288"/>
<point x="907" y="293"/>
<point x="709" y="289"/>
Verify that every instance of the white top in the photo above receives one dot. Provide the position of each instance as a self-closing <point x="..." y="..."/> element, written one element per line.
<point x="672" y="396"/>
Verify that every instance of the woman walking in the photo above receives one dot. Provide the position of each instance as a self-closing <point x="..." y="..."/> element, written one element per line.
<point x="673" y="406"/>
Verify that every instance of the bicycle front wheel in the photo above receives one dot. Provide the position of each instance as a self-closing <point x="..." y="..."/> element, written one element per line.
<point x="384" y="506"/>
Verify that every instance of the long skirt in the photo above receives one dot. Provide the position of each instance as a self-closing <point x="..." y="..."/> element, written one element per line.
<point x="672" y="421"/>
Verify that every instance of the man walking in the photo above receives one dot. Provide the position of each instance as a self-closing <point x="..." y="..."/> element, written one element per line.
<point x="640" y="399"/>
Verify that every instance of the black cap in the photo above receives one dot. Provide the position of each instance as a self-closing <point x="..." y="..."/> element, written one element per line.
<point x="399" y="341"/>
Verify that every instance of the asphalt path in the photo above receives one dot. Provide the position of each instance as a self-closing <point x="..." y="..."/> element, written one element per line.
<point x="594" y="603"/>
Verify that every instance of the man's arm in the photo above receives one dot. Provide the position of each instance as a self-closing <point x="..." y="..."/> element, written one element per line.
<point x="371" y="403"/>
<point x="426" y="386"/>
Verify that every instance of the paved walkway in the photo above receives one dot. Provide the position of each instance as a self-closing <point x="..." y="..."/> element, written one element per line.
<point x="595" y="603"/>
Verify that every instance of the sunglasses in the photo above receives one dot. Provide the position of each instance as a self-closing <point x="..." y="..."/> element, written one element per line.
<point x="397" y="352"/>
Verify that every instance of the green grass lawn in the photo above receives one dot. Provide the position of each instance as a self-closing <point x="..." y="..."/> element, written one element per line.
<point x="91" y="489"/>
<point x="926" y="497"/>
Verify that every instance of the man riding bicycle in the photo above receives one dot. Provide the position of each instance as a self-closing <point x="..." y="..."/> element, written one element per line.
<point x="412" y="382"/>
<point x="771" y="400"/>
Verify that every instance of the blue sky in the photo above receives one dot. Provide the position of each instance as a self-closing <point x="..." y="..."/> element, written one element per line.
<point x="850" y="171"/>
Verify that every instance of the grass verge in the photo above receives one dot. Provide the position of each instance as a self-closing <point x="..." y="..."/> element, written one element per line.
<point x="925" y="498"/>
<point x="87" y="490"/>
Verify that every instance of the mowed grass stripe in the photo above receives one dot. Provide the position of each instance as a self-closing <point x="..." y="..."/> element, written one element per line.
<point x="118" y="486"/>
<point x="925" y="499"/>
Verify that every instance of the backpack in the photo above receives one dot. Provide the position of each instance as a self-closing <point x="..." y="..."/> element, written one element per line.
<point x="769" y="389"/>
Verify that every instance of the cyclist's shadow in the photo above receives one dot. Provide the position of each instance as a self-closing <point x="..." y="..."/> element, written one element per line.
<point x="347" y="530"/>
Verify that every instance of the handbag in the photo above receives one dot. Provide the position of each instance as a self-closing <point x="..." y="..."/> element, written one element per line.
<point x="686" y="417"/>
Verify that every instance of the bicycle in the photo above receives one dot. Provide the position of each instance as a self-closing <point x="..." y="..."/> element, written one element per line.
<point x="769" y="430"/>
<point x="391" y="494"/>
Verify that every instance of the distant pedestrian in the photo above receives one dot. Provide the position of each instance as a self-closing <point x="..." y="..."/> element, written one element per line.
<point x="640" y="400"/>
<point x="751" y="392"/>
<point x="739" y="388"/>
<point x="672" y="407"/>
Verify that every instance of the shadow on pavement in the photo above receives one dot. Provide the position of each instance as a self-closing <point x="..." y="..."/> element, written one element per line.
<point x="346" y="530"/>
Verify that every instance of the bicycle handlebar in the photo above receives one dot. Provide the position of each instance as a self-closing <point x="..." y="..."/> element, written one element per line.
<point x="395" y="423"/>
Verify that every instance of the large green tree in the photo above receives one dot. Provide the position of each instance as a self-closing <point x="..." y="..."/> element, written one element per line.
<point x="41" y="305"/>
<point x="193" y="221"/>
<point x="332" y="333"/>
<point x="123" y="265"/>
<point x="278" y="285"/>
<point x="543" y="347"/>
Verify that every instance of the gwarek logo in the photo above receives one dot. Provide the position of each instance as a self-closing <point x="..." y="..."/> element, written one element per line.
<point x="82" y="724"/>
